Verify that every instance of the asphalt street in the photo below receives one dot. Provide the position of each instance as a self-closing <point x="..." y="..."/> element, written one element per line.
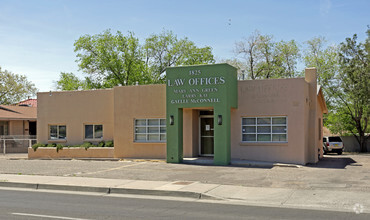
<point x="346" y="172"/>
<point x="16" y="204"/>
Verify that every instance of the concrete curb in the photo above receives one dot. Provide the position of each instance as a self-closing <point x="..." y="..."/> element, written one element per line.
<point x="110" y="190"/>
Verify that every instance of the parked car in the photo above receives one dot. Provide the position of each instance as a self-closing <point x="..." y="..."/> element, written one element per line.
<point x="333" y="145"/>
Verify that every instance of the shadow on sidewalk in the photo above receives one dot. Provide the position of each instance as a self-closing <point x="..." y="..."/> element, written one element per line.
<point x="208" y="161"/>
<point x="334" y="162"/>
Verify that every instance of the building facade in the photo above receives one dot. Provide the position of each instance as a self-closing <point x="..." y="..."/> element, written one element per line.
<point x="200" y="111"/>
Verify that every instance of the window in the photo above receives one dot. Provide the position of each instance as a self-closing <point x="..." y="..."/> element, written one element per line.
<point x="150" y="130"/>
<point x="93" y="131"/>
<point x="4" y="128"/>
<point x="57" y="132"/>
<point x="264" y="129"/>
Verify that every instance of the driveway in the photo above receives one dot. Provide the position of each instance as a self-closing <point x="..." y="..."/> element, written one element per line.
<point x="347" y="172"/>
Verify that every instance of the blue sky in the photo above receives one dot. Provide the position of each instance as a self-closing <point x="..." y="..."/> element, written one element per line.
<point x="37" y="36"/>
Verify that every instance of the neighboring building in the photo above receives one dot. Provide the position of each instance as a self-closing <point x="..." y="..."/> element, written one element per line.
<point x="201" y="111"/>
<point x="17" y="128"/>
<point x="17" y="120"/>
<point x="28" y="102"/>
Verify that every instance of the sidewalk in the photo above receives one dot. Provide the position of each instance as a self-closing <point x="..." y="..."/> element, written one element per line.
<point x="260" y="196"/>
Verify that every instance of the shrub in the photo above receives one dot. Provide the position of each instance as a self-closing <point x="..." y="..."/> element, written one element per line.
<point x="109" y="144"/>
<point x="74" y="146"/>
<point x="87" y="145"/>
<point x="52" y="145"/>
<point x="37" y="145"/>
<point x="101" y="144"/>
<point x="59" y="147"/>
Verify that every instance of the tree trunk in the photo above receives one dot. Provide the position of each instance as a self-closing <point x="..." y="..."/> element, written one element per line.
<point x="363" y="144"/>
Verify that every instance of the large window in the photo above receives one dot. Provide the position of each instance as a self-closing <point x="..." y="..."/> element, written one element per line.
<point x="93" y="131"/>
<point x="264" y="129"/>
<point x="57" y="132"/>
<point x="150" y="130"/>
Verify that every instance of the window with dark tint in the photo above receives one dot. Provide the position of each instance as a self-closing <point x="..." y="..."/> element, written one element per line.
<point x="335" y="139"/>
<point x="93" y="131"/>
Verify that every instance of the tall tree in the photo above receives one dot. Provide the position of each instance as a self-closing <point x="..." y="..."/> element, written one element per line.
<point x="14" y="87"/>
<point x="288" y="55"/>
<point x="266" y="58"/>
<point x="69" y="81"/>
<point x="111" y="60"/>
<point x="165" y="50"/>
<point x="248" y="49"/>
<point x="350" y="90"/>
<point x="325" y="58"/>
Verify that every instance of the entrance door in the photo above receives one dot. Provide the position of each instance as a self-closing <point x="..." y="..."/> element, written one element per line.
<point x="32" y="127"/>
<point x="206" y="136"/>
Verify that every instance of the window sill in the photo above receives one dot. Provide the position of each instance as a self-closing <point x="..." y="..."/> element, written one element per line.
<point x="57" y="141"/>
<point x="263" y="143"/>
<point x="153" y="142"/>
<point x="94" y="140"/>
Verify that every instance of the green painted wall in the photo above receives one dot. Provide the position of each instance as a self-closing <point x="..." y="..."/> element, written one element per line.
<point x="212" y="86"/>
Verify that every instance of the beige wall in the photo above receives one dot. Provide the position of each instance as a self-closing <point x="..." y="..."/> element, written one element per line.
<point x="74" y="109"/>
<point x="137" y="102"/>
<point x="278" y="97"/>
<point x="17" y="127"/>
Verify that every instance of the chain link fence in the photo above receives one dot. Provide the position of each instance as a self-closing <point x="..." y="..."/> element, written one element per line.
<point x="16" y="143"/>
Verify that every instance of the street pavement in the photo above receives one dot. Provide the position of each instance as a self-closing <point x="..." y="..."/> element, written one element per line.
<point x="340" y="183"/>
<point x="15" y="204"/>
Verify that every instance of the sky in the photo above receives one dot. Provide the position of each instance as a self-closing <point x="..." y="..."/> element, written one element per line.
<point x="37" y="36"/>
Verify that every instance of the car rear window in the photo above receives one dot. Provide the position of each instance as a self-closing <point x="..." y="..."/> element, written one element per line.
<point x="335" y="139"/>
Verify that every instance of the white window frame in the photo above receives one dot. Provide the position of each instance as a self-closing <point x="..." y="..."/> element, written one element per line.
<point x="57" y="125"/>
<point x="147" y="133"/>
<point x="256" y="125"/>
<point x="93" y="138"/>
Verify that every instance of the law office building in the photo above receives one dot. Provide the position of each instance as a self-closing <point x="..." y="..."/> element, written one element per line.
<point x="202" y="110"/>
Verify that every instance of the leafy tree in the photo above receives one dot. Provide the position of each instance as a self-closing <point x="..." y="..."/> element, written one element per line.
<point x="165" y="50"/>
<point x="14" y="87"/>
<point x="248" y="49"/>
<point x="350" y="90"/>
<point x="265" y="58"/>
<point x="288" y="54"/>
<point x="324" y="58"/>
<point x="111" y="60"/>
<point x="68" y="81"/>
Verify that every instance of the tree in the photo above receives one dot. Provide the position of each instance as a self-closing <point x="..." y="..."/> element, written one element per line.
<point x="111" y="60"/>
<point x="247" y="48"/>
<point x="324" y="58"/>
<point x="350" y="90"/>
<point x="14" y="88"/>
<point x="288" y="54"/>
<point x="265" y="58"/>
<point x="68" y="81"/>
<point x="165" y="50"/>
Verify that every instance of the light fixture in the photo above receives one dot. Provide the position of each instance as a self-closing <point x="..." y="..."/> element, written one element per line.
<point x="219" y="121"/>
<point x="172" y="120"/>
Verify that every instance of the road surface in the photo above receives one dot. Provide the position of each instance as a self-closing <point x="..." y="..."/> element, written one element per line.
<point x="20" y="204"/>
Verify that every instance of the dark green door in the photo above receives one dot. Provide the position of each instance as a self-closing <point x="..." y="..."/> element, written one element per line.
<point x="206" y="136"/>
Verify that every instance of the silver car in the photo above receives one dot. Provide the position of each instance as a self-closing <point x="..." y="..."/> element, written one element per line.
<point x="333" y="145"/>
